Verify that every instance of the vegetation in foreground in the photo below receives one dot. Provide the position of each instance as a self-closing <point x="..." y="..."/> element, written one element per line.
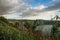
<point x="10" y="33"/>
<point x="10" y="30"/>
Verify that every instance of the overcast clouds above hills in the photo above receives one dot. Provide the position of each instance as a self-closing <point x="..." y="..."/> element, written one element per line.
<point x="29" y="9"/>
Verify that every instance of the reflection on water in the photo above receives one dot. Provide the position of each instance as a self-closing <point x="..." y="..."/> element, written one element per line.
<point x="46" y="29"/>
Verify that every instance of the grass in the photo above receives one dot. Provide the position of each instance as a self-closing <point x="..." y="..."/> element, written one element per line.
<point x="11" y="33"/>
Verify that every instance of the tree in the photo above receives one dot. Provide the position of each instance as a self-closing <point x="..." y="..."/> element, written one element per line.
<point x="32" y="24"/>
<point x="3" y="19"/>
<point x="55" y="27"/>
<point x="16" y="25"/>
<point x="56" y="24"/>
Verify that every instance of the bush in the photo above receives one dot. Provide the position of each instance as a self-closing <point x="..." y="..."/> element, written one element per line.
<point x="10" y="33"/>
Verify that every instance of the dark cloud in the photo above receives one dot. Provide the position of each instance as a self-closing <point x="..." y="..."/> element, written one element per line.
<point x="7" y="6"/>
<point x="55" y="7"/>
<point x="14" y="6"/>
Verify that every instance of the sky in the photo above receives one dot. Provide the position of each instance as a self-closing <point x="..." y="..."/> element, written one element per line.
<point x="29" y="9"/>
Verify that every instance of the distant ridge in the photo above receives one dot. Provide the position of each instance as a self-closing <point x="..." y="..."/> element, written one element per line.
<point x="46" y="22"/>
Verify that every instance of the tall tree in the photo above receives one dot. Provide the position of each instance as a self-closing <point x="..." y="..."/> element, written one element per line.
<point x="32" y="24"/>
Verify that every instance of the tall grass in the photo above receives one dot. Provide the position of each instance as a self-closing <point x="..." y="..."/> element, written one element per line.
<point x="10" y="33"/>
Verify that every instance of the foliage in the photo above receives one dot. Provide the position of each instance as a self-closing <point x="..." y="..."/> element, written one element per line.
<point x="55" y="27"/>
<point x="3" y="19"/>
<point x="11" y="33"/>
<point x="9" y="29"/>
<point x="32" y="24"/>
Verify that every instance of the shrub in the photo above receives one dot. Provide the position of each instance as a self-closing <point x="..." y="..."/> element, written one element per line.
<point x="10" y="33"/>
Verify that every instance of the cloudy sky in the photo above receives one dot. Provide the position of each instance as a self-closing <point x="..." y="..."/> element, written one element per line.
<point x="29" y="9"/>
